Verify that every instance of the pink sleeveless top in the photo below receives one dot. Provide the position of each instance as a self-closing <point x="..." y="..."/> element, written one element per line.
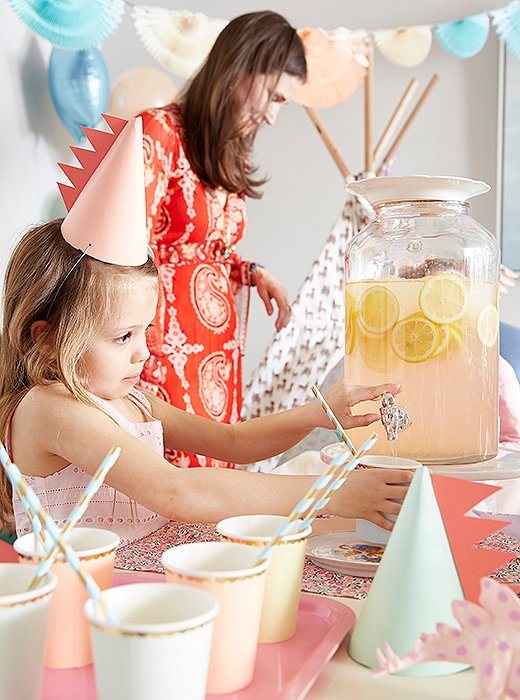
<point x="109" y="509"/>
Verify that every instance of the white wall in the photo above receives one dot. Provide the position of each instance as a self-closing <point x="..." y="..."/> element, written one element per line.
<point x="455" y="134"/>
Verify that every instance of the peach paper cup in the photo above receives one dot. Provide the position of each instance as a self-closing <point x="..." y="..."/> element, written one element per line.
<point x="68" y="641"/>
<point x="284" y="575"/>
<point x="231" y="574"/>
<point x="24" y="616"/>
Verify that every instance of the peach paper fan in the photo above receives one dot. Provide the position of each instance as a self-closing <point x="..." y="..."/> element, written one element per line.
<point x="336" y="63"/>
<point x="179" y="40"/>
<point x="404" y="46"/>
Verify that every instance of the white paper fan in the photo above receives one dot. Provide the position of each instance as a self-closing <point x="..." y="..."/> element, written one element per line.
<point x="404" y="46"/>
<point x="336" y="65"/>
<point x="179" y="40"/>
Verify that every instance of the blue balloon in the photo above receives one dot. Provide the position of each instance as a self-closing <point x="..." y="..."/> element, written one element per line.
<point x="80" y="88"/>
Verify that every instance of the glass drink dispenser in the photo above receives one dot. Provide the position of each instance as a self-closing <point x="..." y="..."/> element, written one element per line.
<point x="422" y="311"/>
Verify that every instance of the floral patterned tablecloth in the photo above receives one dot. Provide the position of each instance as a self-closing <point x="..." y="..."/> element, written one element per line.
<point x="145" y="554"/>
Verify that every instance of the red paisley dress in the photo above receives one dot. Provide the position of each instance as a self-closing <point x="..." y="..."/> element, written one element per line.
<point x="196" y="341"/>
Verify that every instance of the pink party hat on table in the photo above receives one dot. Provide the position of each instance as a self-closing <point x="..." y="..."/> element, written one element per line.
<point x="430" y="561"/>
<point x="106" y="198"/>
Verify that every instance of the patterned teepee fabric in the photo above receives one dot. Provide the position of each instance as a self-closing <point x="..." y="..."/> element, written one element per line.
<point x="312" y="345"/>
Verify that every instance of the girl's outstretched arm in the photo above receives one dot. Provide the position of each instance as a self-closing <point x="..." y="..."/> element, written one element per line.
<point x="267" y="436"/>
<point x="51" y="429"/>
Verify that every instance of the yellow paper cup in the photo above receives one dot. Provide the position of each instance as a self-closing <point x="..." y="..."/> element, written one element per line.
<point x="284" y="576"/>
<point x="230" y="573"/>
<point x="23" y="623"/>
<point x="68" y="641"/>
<point x="159" y="649"/>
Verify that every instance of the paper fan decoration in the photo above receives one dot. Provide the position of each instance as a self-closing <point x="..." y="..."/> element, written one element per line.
<point x="75" y="24"/>
<point x="404" y="46"/>
<point x="464" y="38"/>
<point x="178" y="40"/>
<point x="507" y="25"/>
<point x="336" y="65"/>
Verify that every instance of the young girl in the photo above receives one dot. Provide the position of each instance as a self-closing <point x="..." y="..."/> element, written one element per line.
<point x="72" y="349"/>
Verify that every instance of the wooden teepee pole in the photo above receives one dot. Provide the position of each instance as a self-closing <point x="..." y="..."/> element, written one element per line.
<point x="394" y="120"/>
<point x="345" y="172"/>
<point x="369" y="108"/>
<point x="404" y="129"/>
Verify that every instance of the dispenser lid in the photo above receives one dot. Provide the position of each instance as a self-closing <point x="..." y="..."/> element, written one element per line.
<point x="413" y="188"/>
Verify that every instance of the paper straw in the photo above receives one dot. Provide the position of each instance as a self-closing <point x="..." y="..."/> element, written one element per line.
<point x="318" y="495"/>
<point x="39" y="537"/>
<point x="26" y="492"/>
<point x="77" y="512"/>
<point x="338" y="429"/>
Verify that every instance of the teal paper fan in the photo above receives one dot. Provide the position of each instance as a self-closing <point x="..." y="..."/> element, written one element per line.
<point x="71" y="24"/>
<point x="507" y="25"/>
<point x="464" y="38"/>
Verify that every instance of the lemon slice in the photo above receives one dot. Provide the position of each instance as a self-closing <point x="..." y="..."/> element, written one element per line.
<point x="378" y="310"/>
<point x="376" y="353"/>
<point x="350" y="324"/>
<point x="415" y="339"/>
<point x="443" y="299"/>
<point x="487" y="325"/>
<point x="444" y="339"/>
<point x="456" y="339"/>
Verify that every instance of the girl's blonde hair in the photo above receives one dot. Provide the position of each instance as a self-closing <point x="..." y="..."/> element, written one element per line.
<point x="45" y="282"/>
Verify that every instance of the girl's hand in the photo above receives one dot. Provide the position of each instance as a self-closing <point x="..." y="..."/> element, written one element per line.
<point x="343" y="396"/>
<point x="270" y="289"/>
<point x="370" y="493"/>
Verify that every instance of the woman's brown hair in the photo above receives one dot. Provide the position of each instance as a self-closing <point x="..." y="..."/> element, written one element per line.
<point x="45" y="282"/>
<point x="251" y="45"/>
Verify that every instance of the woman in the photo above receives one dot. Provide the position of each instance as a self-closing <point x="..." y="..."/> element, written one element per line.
<point x="198" y="173"/>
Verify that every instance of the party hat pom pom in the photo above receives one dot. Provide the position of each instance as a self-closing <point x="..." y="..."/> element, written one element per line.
<point x="178" y="40"/>
<point x="75" y="24"/>
<point x="404" y="46"/>
<point x="507" y="25"/>
<point x="464" y="38"/>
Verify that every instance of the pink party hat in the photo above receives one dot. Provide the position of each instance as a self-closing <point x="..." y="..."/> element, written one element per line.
<point x="106" y="199"/>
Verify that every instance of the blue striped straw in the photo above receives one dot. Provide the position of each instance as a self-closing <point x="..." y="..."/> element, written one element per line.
<point x="338" y="429"/>
<point x="70" y="555"/>
<point x="318" y="495"/>
<point x="39" y="537"/>
<point x="77" y="512"/>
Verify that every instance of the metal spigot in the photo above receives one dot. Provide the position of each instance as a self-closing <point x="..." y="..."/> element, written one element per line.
<point x="393" y="418"/>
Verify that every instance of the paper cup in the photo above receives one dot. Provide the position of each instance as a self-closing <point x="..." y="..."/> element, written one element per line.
<point x="68" y="641"/>
<point x="230" y="573"/>
<point x="161" y="645"/>
<point x="366" y="530"/>
<point x="284" y="575"/>
<point x="23" y="623"/>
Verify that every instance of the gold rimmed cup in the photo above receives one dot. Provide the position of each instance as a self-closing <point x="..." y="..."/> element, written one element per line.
<point x="229" y="572"/>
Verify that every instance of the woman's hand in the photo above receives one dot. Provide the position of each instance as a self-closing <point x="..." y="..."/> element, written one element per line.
<point x="370" y="494"/>
<point x="343" y="396"/>
<point x="270" y="289"/>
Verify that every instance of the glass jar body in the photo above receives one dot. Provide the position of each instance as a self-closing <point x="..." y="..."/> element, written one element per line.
<point x="421" y="311"/>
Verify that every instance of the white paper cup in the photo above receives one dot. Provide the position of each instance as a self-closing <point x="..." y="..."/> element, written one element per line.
<point x="284" y="575"/>
<point x="23" y="627"/>
<point x="68" y="640"/>
<point x="230" y="572"/>
<point x="161" y="645"/>
<point x="366" y="530"/>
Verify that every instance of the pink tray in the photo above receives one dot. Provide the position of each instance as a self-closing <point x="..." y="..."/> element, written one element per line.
<point x="283" y="671"/>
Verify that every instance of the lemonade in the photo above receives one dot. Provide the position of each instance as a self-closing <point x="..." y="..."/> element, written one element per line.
<point x="436" y="336"/>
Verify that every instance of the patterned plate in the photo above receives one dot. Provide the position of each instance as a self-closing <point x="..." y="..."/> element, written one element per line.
<point x="345" y="553"/>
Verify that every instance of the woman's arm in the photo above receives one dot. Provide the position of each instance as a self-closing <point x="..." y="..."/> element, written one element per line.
<point x="63" y="431"/>
<point x="267" y="436"/>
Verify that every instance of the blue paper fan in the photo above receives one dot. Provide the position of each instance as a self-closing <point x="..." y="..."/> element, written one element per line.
<point x="507" y="25"/>
<point x="71" y="24"/>
<point x="464" y="38"/>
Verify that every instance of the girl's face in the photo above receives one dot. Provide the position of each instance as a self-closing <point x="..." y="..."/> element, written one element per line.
<point x="117" y="355"/>
<point x="261" y="101"/>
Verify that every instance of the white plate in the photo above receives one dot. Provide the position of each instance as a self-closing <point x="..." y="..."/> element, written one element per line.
<point x="344" y="552"/>
<point x="506" y="465"/>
